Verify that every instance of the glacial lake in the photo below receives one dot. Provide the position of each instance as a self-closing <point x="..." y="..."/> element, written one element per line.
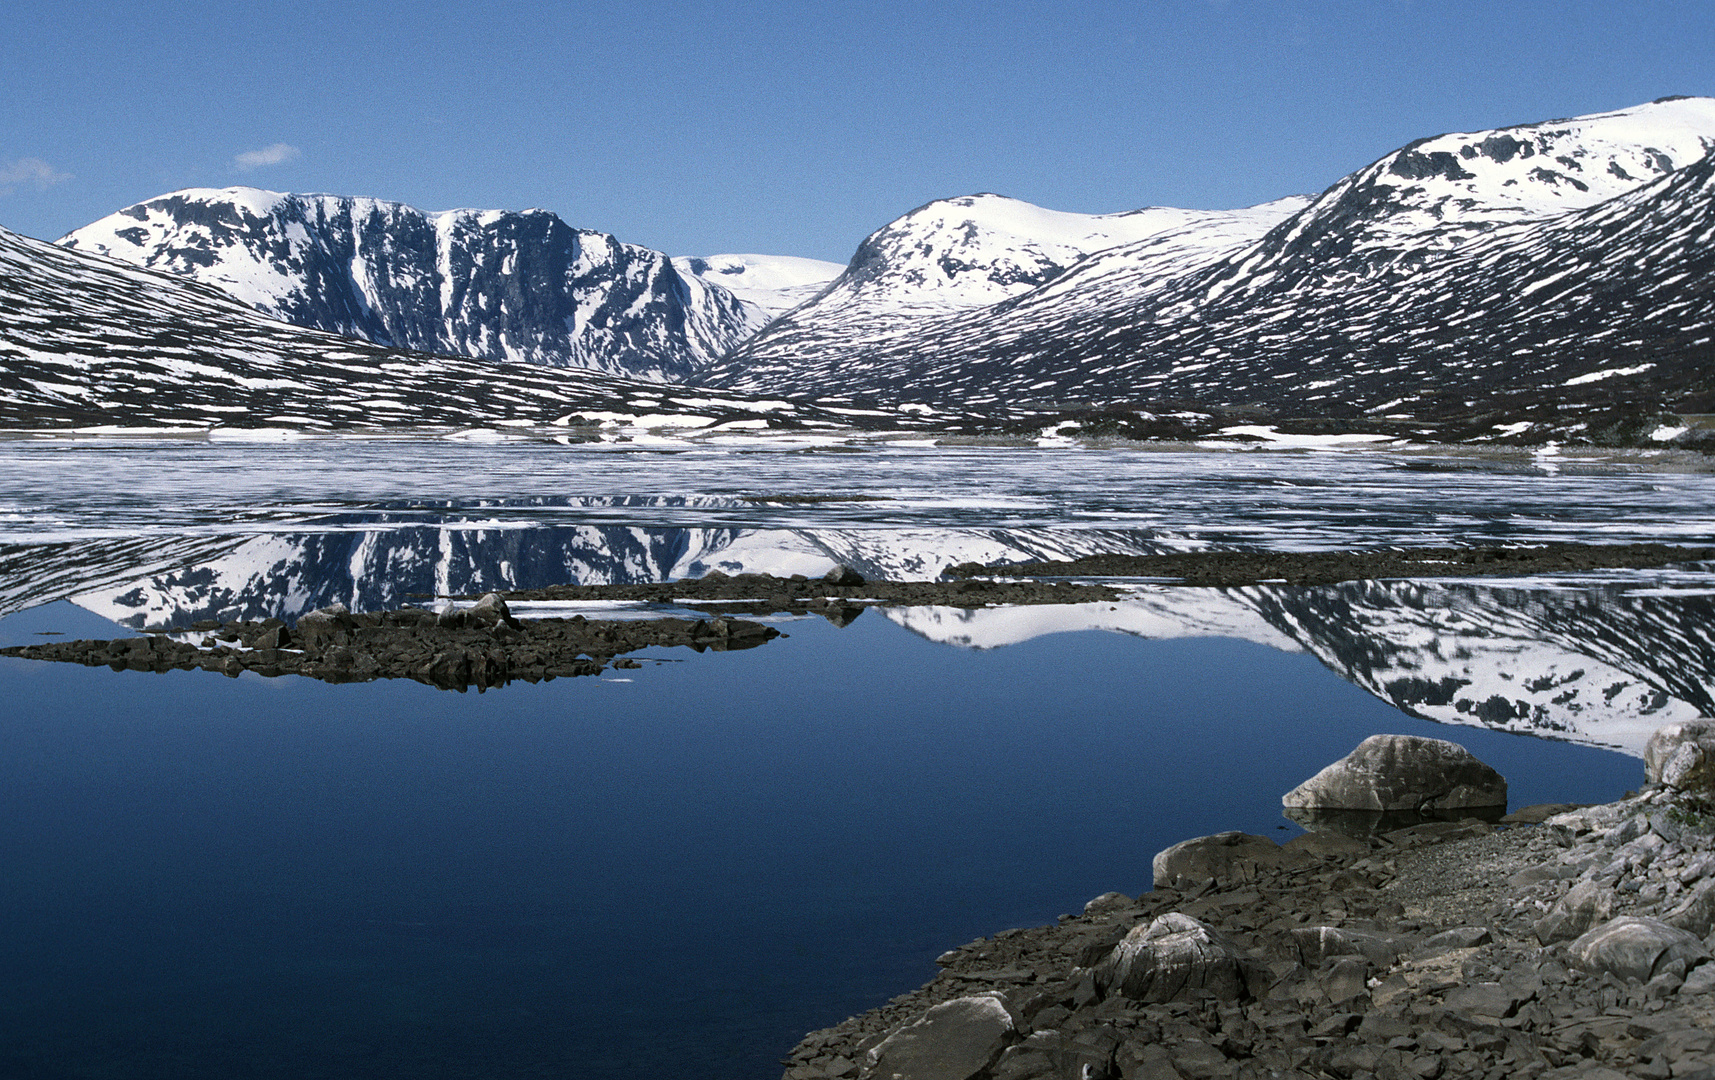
<point x="680" y="869"/>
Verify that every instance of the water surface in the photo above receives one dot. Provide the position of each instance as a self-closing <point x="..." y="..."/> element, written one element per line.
<point x="678" y="870"/>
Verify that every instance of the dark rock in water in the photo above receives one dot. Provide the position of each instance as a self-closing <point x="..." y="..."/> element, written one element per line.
<point x="1402" y="772"/>
<point x="1682" y="755"/>
<point x="1325" y="844"/>
<point x="1222" y="856"/>
<point x="1635" y="948"/>
<point x="1364" y="824"/>
<point x="955" y="1040"/>
<point x="1170" y="956"/>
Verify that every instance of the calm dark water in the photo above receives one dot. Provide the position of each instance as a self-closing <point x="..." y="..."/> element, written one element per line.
<point x="679" y="870"/>
<point x="672" y="876"/>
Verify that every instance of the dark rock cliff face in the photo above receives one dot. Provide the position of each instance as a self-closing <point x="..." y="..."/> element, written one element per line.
<point x="495" y="285"/>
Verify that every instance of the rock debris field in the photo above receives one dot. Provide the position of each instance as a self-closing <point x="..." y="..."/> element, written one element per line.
<point x="1563" y="942"/>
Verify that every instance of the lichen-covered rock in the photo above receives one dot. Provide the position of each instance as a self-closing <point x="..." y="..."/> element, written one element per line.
<point x="1402" y="772"/>
<point x="955" y="1040"/>
<point x="1223" y="856"/>
<point x="1174" y="953"/>
<point x="1635" y="948"/>
<point x="1680" y="755"/>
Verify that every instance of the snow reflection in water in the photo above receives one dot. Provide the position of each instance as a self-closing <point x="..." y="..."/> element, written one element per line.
<point x="158" y="535"/>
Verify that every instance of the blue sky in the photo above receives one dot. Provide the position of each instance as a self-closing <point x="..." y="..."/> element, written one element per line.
<point x="788" y="128"/>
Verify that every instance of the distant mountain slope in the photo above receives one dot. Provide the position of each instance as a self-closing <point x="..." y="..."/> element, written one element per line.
<point x="1544" y="262"/>
<point x="774" y="283"/>
<point x="965" y="254"/>
<point x="497" y="285"/>
<point x="88" y="340"/>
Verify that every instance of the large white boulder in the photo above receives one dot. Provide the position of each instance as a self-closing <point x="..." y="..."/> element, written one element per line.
<point x="1402" y="772"/>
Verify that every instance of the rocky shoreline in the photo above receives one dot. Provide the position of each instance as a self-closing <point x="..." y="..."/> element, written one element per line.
<point x="1561" y="942"/>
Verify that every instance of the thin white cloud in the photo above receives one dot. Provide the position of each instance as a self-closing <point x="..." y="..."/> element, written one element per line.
<point x="277" y="154"/>
<point x="30" y="170"/>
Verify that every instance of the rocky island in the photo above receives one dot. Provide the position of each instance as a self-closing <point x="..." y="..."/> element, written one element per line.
<point x="1556" y="942"/>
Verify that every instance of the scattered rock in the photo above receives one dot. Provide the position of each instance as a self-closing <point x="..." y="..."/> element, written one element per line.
<point x="1412" y="954"/>
<point x="1402" y="772"/>
<point x="1539" y="813"/>
<point x="491" y="610"/>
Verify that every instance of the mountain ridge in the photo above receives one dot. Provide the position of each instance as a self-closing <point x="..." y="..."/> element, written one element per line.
<point x="519" y="286"/>
<point x="1316" y="302"/>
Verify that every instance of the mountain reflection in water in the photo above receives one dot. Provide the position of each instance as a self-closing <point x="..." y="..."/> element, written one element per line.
<point x="1602" y="660"/>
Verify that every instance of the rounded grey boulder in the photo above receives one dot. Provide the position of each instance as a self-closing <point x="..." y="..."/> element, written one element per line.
<point x="1402" y="772"/>
<point x="1160" y="960"/>
<point x="1221" y="856"/>
<point x="1634" y="948"/>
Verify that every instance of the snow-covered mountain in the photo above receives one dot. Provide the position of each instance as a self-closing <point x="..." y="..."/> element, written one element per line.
<point x="773" y="283"/>
<point x="966" y="254"/>
<point x="496" y="285"/>
<point x="86" y="340"/>
<point x="1546" y="261"/>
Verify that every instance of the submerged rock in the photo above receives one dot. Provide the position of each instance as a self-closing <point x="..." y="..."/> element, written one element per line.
<point x="1402" y="772"/>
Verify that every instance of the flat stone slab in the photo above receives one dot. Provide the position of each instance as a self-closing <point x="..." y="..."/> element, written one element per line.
<point x="955" y="1040"/>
